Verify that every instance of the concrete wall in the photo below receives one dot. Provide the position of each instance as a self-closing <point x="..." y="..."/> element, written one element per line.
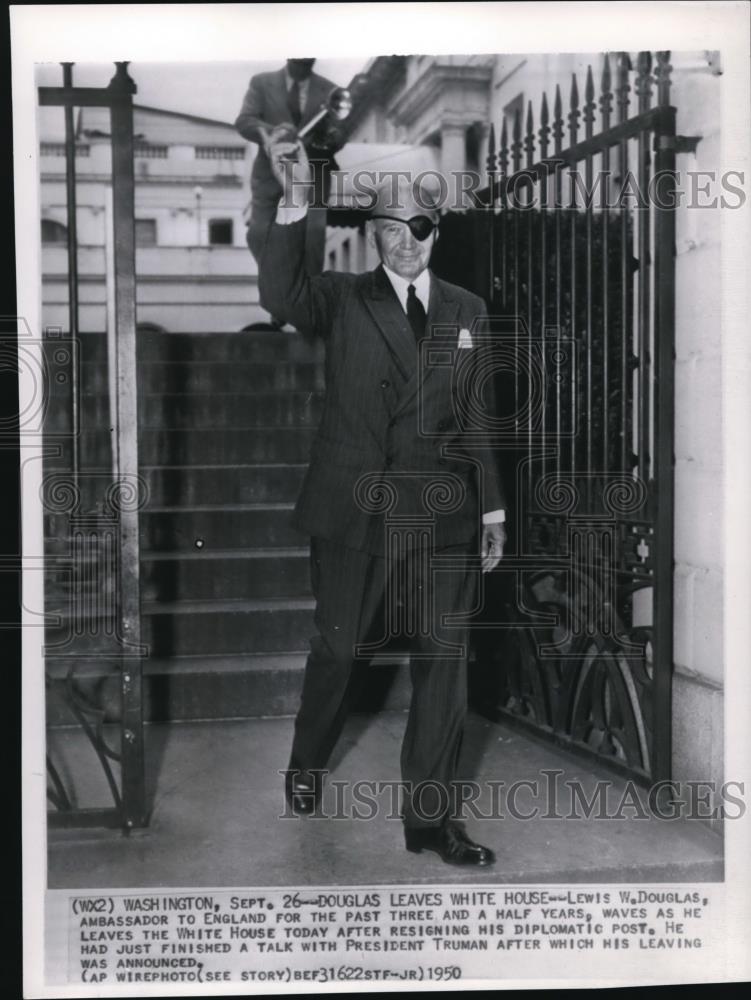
<point x="699" y="662"/>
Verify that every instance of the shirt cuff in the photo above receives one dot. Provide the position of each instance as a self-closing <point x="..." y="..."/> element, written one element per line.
<point x="494" y="517"/>
<point x="287" y="214"/>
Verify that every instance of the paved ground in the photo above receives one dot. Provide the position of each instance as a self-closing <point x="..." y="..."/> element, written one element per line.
<point x="216" y="804"/>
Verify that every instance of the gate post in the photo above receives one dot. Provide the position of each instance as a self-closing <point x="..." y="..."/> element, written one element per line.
<point x="125" y="444"/>
<point x="664" y="389"/>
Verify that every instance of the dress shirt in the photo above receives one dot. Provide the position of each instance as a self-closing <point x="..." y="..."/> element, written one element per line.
<point x="286" y="216"/>
<point x="401" y="286"/>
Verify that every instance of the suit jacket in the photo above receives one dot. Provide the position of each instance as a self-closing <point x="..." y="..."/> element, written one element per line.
<point x="394" y="438"/>
<point x="265" y="103"/>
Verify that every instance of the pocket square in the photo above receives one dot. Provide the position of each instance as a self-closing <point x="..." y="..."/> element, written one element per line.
<point x="465" y="338"/>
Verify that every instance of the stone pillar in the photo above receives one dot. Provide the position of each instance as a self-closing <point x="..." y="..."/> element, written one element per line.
<point x="482" y="151"/>
<point x="453" y="155"/>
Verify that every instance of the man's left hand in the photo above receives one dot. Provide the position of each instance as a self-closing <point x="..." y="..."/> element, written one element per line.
<point x="491" y="548"/>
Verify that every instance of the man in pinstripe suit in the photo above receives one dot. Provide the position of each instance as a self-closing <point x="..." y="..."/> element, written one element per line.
<point x="391" y="448"/>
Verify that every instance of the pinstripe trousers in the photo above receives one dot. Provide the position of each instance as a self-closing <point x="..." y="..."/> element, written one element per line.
<point x="360" y="600"/>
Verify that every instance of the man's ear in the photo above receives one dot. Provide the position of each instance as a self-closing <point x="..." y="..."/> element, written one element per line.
<point x="370" y="232"/>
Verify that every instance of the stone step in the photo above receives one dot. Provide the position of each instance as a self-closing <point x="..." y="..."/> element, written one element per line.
<point x="190" y="485"/>
<point x="251" y="345"/>
<point x="218" y="687"/>
<point x="182" y="628"/>
<point x="216" y="410"/>
<point x="231" y="574"/>
<point x="202" y="377"/>
<point x="198" y="447"/>
<point x="226" y="575"/>
<point x="223" y="484"/>
<point x="205" y="528"/>
<point x="261" y="625"/>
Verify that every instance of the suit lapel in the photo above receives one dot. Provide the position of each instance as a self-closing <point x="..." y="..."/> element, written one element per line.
<point x="280" y="94"/>
<point x="443" y="310"/>
<point x="382" y="304"/>
<point x="318" y="91"/>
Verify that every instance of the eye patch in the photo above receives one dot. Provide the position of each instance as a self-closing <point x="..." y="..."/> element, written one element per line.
<point x="419" y="225"/>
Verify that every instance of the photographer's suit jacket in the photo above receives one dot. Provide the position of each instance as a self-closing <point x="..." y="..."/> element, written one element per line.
<point x="265" y="104"/>
<point x="385" y="415"/>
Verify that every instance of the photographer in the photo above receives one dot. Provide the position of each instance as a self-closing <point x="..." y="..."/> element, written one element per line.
<point x="276" y="106"/>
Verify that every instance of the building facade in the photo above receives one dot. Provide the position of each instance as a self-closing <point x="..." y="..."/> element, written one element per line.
<point x="194" y="271"/>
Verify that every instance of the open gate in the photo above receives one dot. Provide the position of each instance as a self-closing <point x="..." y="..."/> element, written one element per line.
<point x="93" y="651"/>
<point x="578" y="225"/>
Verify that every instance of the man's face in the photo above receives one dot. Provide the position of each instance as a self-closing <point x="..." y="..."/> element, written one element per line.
<point x="398" y="249"/>
<point x="300" y="69"/>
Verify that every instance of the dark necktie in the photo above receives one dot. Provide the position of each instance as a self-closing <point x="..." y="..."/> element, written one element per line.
<point x="293" y="103"/>
<point x="415" y="313"/>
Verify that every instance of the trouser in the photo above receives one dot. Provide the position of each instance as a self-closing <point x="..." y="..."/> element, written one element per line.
<point x="361" y="598"/>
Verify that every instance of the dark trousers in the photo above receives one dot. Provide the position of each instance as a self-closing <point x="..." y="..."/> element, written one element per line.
<point x="361" y="598"/>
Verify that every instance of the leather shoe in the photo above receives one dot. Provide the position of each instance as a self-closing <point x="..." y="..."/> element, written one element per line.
<point x="303" y="791"/>
<point x="450" y="842"/>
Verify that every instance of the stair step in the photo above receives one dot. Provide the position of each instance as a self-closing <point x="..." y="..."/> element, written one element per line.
<point x="219" y="576"/>
<point x="214" y="527"/>
<point x="276" y="408"/>
<point x="199" y="447"/>
<point x="202" y="377"/>
<point x="259" y="554"/>
<point x="230" y="574"/>
<point x="250" y="345"/>
<point x="230" y="484"/>
<point x="220" y="527"/>
<point x="240" y="605"/>
<point x="209" y="410"/>
<point x="220" y="687"/>
<point x="205" y="627"/>
<point x="191" y="485"/>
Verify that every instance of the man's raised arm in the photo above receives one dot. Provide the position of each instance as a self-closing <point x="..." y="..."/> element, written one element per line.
<point x="286" y="289"/>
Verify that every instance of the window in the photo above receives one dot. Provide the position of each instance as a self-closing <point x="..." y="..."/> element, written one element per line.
<point x="53" y="232"/>
<point x="149" y="152"/>
<point x="220" y="152"/>
<point x="220" y="232"/>
<point x="145" y="232"/>
<point x="58" y="149"/>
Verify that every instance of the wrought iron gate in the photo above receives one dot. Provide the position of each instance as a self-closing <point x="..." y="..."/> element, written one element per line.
<point x="93" y="516"/>
<point x="579" y="226"/>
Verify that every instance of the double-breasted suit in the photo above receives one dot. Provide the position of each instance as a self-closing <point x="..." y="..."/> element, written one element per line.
<point x="393" y="429"/>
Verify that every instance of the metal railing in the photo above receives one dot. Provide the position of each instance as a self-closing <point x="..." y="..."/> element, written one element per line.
<point x="585" y="282"/>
